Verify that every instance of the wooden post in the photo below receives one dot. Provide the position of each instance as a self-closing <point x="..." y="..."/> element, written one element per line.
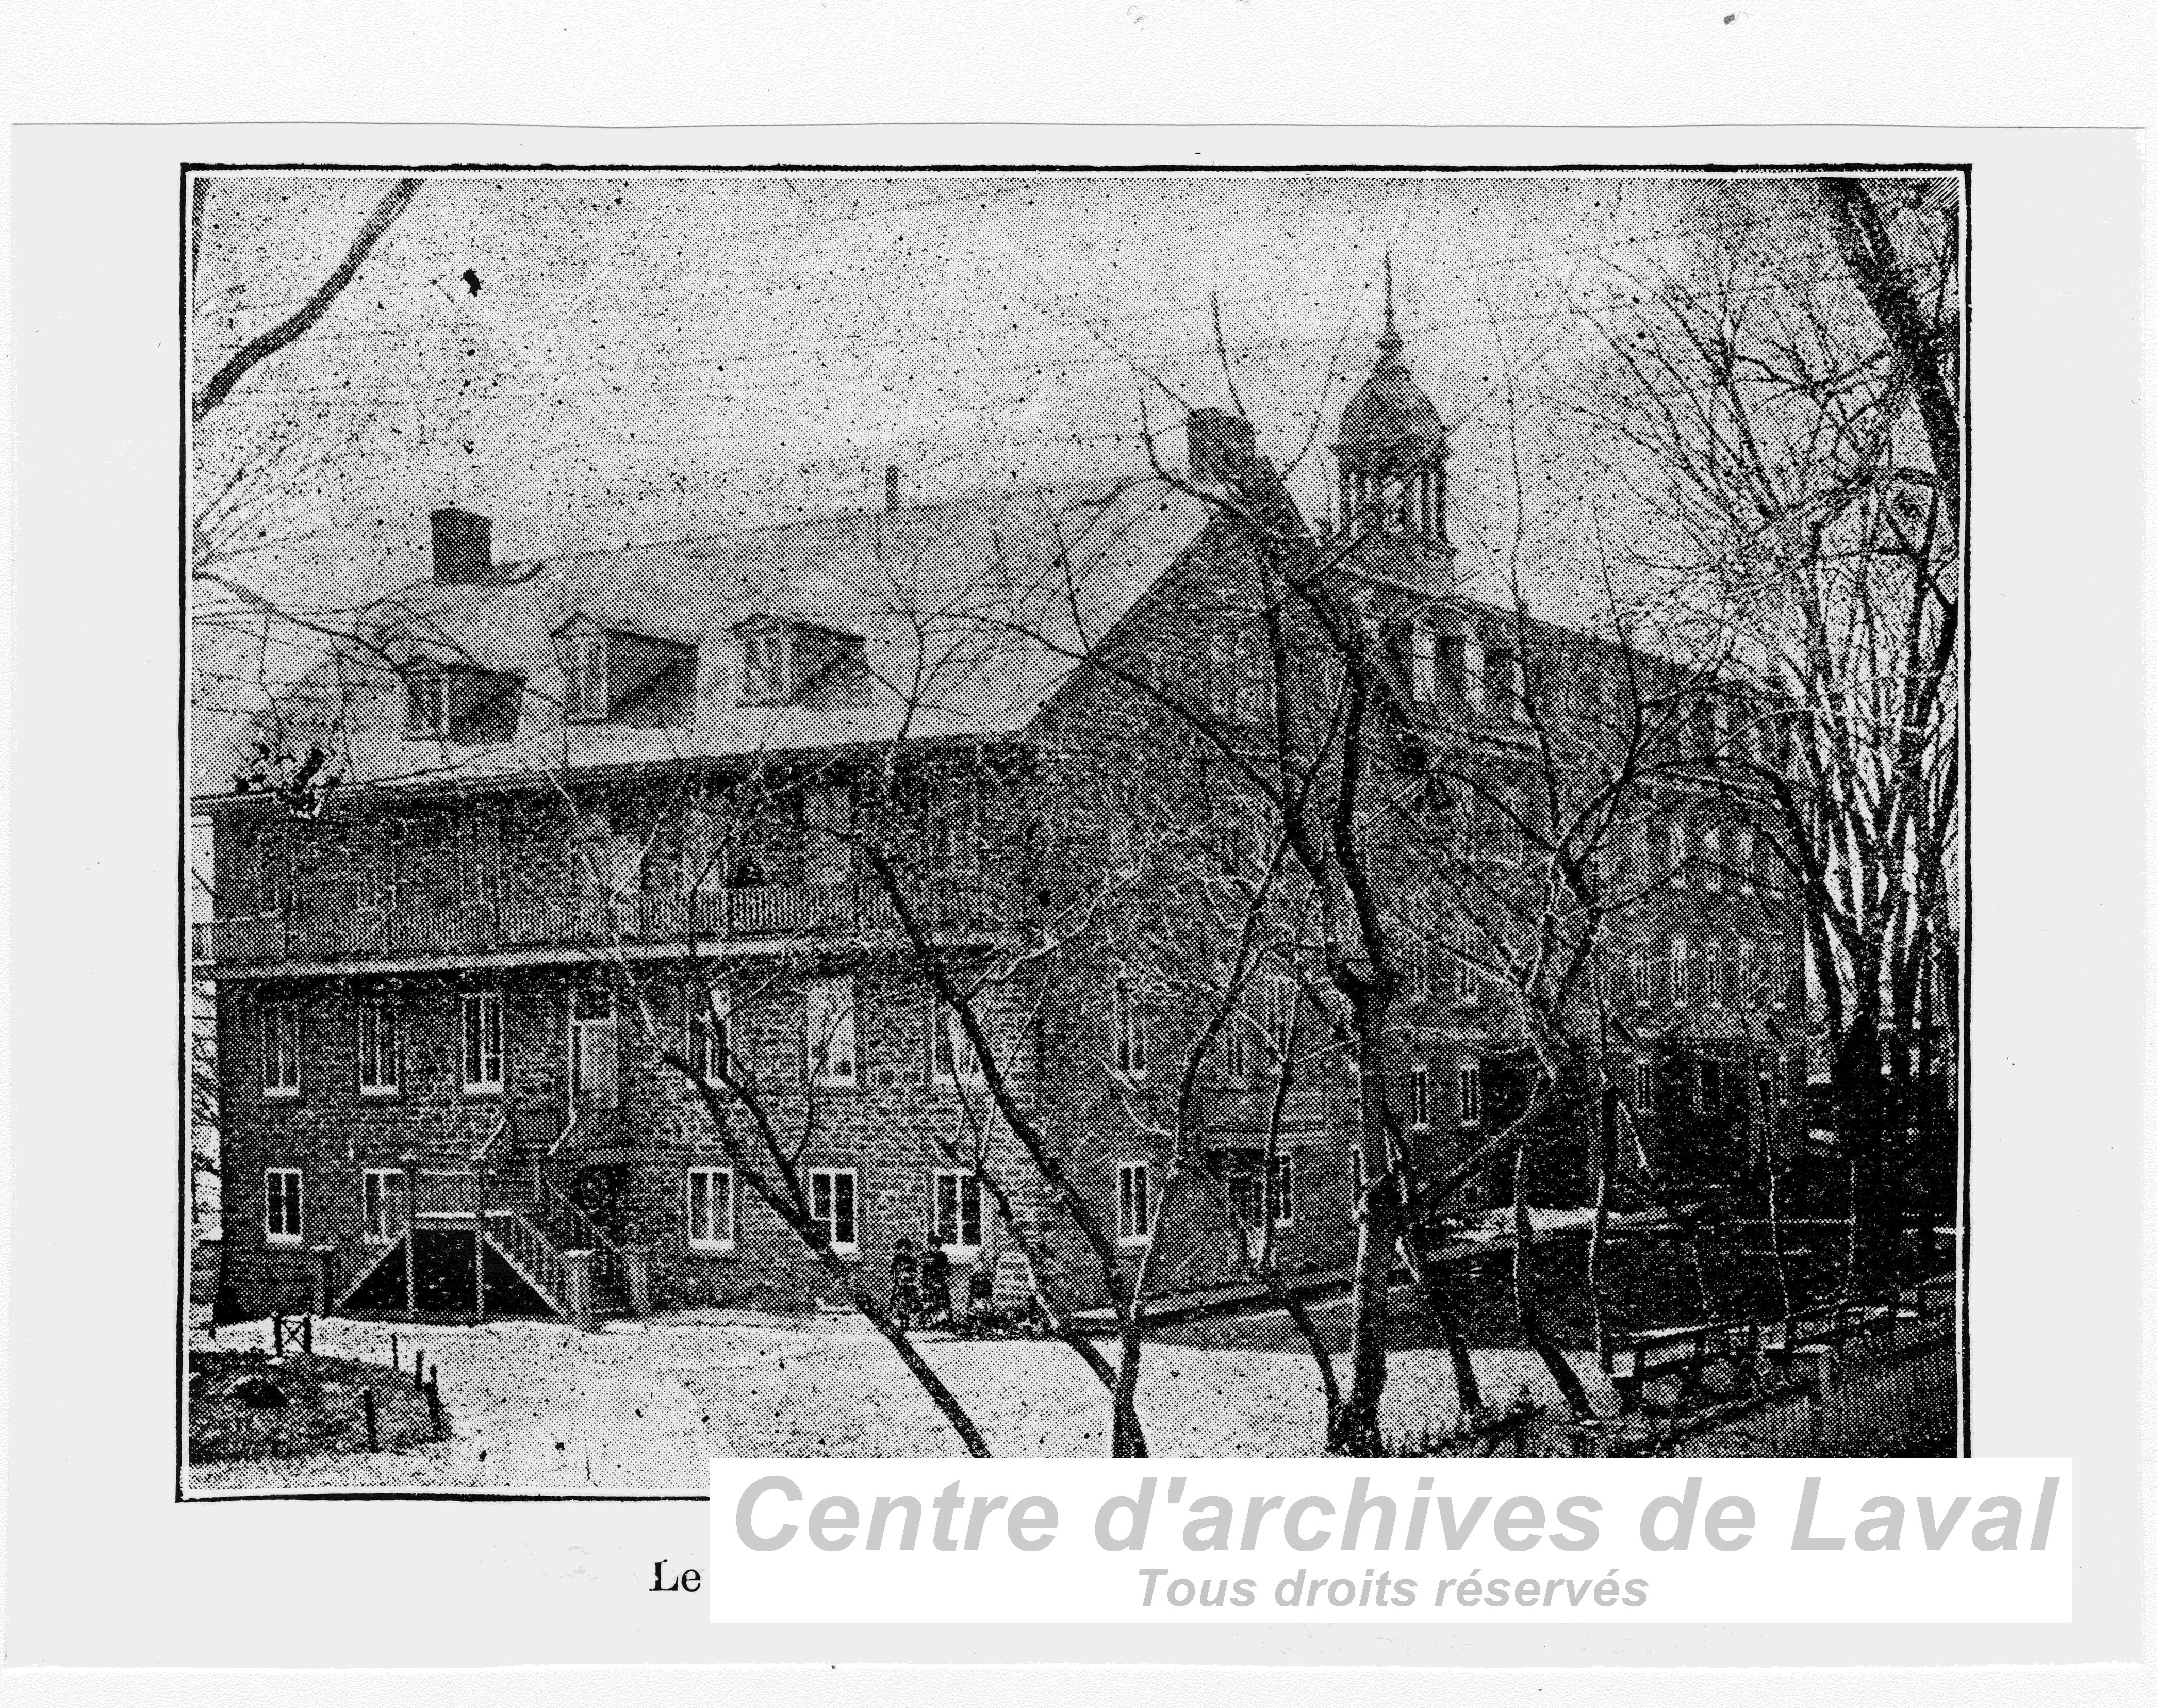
<point x="435" y="1409"/>
<point x="276" y="1335"/>
<point x="396" y="1358"/>
<point x="636" y="1279"/>
<point x="367" y="1409"/>
<point x="418" y="1366"/>
<point x="307" y="1336"/>
<point x="410" y="1163"/>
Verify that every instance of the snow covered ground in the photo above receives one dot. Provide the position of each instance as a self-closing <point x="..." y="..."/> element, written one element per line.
<point x="642" y="1405"/>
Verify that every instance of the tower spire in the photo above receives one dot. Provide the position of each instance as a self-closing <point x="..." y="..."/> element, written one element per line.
<point x="1389" y="341"/>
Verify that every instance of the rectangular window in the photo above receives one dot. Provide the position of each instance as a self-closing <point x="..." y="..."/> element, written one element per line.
<point x="707" y="1020"/>
<point x="829" y="1036"/>
<point x="834" y="1194"/>
<point x="280" y="1206"/>
<point x="1749" y="971"/>
<point x="1710" y="855"/>
<point x="381" y="1205"/>
<point x="1711" y="971"/>
<point x="1280" y="1190"/>
<point x="955" y="1214"/>
<point x="1681" y="970"/>
<point x="1471" y="1094"/>
<point x="1467" y="980"/>
<point x="1680" y="853"/>
<point x="1281" y="999"/>
<point x="1471" y="672"/>
<point x="1127" y="1021"/>
<point x="1744" y="855"/>
<point x="1419" y="1097"/>
<point x="595" y="1053"/>
<point x="956" y="1062"/>
<point x="481" y="1041"/>
<point x="1643" y="1088"/>
<point x="585" y="660"/>
<point x="1233" y="1040"/>
<point x="712" y="1209"/>
<point x="1643" y="977"/>
<point x="280" y="1049"/>
<point x="1133" y="1202"/>
<point x="379" y="1047"/>
<point x="1423" y="663"/>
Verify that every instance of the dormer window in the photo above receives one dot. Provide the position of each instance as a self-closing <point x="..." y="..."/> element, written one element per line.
<point x="787" y="661"/>
<point x="613" y="675"/>
<point x="460" y="703"/>
<point x="767" y="666"/>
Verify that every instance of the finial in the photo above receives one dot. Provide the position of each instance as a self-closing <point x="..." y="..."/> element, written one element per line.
<point x="1389" y="341"/>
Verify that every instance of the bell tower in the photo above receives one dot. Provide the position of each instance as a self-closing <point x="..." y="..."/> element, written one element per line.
<point x="1391" y="456"/>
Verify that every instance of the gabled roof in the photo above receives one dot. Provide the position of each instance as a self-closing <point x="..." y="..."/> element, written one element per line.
<point x="972" y="612"/>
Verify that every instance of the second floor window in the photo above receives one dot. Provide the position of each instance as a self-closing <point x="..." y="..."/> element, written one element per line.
<point x="1711" y="971"/>
<point x="1643" y="1088"/>
<point x="594" y="1053"/>
<point x="1423" y="662"/>
<point x="378" y="1047"/>
<point x="1419" y="1097"/>
<point x="280" y="1049"/>
<point x="481" y="1040"/>
<point x="829" y="1036"/>
<point x="1127" y="1028"/>
<point x="707" y="1018"/>
<point x="1133" y="1202"/>
<point x="955" y="1061"/>
<point x="1471" y="1094"/>
<point x="1681" y="970"/>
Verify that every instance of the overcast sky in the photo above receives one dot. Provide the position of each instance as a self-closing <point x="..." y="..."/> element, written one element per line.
<point x="651" y="355"/>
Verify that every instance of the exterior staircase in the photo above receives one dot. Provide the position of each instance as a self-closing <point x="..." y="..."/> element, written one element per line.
<point x="509" y="1198"/>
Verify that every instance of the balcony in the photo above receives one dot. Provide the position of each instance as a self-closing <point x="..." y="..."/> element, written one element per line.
<point x="751" y="913"/>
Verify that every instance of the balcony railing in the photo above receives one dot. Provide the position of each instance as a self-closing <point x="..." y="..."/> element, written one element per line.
<point x="761" y="911"/>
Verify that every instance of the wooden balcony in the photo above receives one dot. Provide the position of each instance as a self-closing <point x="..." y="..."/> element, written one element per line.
<point x="750" y="913"/>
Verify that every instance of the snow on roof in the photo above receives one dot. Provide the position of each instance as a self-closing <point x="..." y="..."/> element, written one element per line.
<point x="972" y="611"/>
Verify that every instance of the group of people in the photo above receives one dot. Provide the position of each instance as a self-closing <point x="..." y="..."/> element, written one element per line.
<point x="921" y="1291"/>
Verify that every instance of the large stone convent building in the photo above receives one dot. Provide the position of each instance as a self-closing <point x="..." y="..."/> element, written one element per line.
<point x="591" y="810"/>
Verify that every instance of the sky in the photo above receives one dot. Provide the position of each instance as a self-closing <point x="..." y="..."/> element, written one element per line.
<point x="651" y="355"/>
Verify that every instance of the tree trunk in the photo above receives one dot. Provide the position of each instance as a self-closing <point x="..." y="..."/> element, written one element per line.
<point x="1126" y="1437"/>
<point x="1606" y="1146"/>
<point x="932" y="1384"/>
<point x="1525" y="1312"/>
<point x="1861" y="1119"/>
<point x="1356" y="1429"/>
<point x="1438" y="1306"/>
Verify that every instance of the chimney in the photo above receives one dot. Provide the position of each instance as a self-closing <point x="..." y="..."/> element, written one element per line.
<point x="464" y="546"/>
<point x="1218" y="445"/>
<point x="891" y="487"/>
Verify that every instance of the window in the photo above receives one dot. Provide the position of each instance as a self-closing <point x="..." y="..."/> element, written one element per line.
<point x="280" y="1206"/>
<point x="955" y="1213"/>
<point x="1643" y="977"/>
<point x="1471" y="1094"/>
<point x="766" y="666"/>
<point x="1472" y="672"/>
<point x="1133" y="1202"/>
<point x="378" y="1047"/>
<point x="381" y="1205"/>
<point x="833" y="1196"/>
<point x="712" y="1209"/>
<point x="1423" y="662"/>
<point x="1681" y="970"/>
<point x="707" y="1017"/>
<point x="1467" y="981"/>
<point x="280" y="1049"/>
<point x="462" y="704"/>
<point x="1233" y="1040"/>
<point x="1127" y="1022"/>
<point x="595" y="1055"/>
<point x="829" y="1037"/>
<point x="1502" y="681"/>
<point x="1748" y="970"/>
<point x="1744" y="856"/>
<point x="1711" y="854"/>
<point x="1419" y="1097"/>
<point x="1644" y="1087"/>
<point x="585" y="677"/>
<point x="1280" y="1190"/>
<point x="1711" y="971"/>
<point x="1679" y="852"/>
<point x="956" y="1062"/>
<point x="1281" y="999"/>
<point x="481" y="1041"/>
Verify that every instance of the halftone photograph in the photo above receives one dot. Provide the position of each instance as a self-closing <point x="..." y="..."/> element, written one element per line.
<point x="1198" y="813"/>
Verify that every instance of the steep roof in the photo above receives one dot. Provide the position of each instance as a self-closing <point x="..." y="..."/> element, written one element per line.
<point x="971" y="610"/>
